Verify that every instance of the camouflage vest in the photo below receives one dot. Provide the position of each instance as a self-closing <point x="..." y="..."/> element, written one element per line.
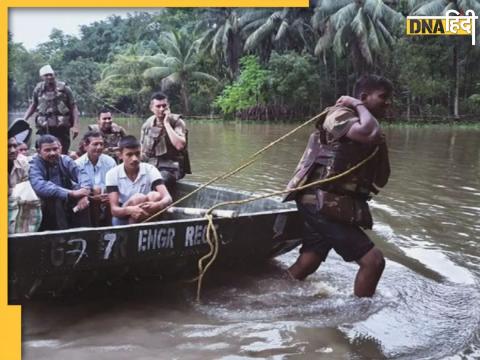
<point x="53" y="110"/>
<point x="159" y="150"/>
<point x="110" y="139"/>
<point x="343" y="199"/>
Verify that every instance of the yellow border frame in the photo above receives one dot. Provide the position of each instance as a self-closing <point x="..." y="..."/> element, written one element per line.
<point x="10" y="316"/>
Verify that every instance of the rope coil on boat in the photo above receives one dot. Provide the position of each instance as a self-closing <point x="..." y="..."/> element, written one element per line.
<point x="213" y="252"/>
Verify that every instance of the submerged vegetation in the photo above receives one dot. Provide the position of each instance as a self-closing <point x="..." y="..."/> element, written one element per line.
<point x="265" y="64"/>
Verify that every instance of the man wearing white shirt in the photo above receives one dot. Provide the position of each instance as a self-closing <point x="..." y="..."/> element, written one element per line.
<point x="136" y="190"/>
<point x="96" y="165"/>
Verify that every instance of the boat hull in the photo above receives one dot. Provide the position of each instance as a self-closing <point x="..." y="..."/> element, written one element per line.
<point x="56" y="262"/>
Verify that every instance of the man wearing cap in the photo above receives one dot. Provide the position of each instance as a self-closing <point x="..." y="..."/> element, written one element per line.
<point x="56" y="110"/>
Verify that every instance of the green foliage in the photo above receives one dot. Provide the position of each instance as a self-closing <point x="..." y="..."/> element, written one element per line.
<point x="247" y="90"/>
<point x="122" y="85"/>
<point x="303" y="60"/>
<point x="177" y="64"/>
<point x="22" y="74"/>
<point x="295" y="81"/>
<point x="82" y="75"/>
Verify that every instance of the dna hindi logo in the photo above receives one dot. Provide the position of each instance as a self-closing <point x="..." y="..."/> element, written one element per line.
<point x="453" y="23"/>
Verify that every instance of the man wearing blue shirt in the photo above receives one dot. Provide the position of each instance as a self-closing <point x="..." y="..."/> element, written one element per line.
<point x="61" y="185"/>
<point x="96" y="165"/>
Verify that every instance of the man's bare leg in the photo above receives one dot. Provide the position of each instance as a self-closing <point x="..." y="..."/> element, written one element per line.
<point x="368" y="276"/>
<point x="307" y="263"/>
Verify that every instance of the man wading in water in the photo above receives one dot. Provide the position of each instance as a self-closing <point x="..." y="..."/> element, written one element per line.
<point x="335" y="212"/>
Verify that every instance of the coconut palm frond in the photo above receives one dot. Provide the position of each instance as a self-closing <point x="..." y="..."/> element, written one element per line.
<point x="470" y="5"/>
<point x="170" y="80"/>
<point x="344" y="16"/>
<point x="332" y="6"/>
<point x="303" y="30"/>
<point x="432" y="8"/>
<point x="217" y="39"/>
<point x="318" y="18"/>
<point x="191" y="53"/>
<point x="260" y="34"/>
<point x="206" y="39"/>
<point x="225" y="39"/>
<point x="389" y="39"/>
<point x="365" y="49"/>
<point x="326" y="9"/>
<point x="173" y="62"/>
<point x="358" y="24"/>
<point x="157" y="72"/>
<point x="373" y="39"/>
<point x="282" y="30"/>
<point x="198" y="75"/>
<point x="378" y="10"/>
<point x="253" y="15"/>
<point x="253" y="25"/>
<point x="325" y="41"/>
<point x="414" y="4"/>
<point x="338" y="42"/>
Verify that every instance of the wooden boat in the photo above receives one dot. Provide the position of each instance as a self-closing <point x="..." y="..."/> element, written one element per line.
<point x="55" y="262"/>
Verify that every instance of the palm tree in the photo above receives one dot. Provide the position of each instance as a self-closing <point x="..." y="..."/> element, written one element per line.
<point x="122" y="84"/>
<point x="440" y="7"/>
<point x="177" y="63"/>
<point x="281" y="29"/>
<point x="361" y="28"/>
<point x="223" y="36"/>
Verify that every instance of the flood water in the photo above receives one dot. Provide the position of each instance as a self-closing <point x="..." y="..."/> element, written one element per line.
<point x="427" y="304"/>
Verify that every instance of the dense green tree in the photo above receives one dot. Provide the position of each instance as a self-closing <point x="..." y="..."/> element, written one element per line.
<point x="177" y="64"/>
<point x="247" y="91"/>
<point x="22" y="74"/>
<point x="458" y="46"/>
<point x="82" y="75"/>
<point x="122" y="85"/>
<point x="295" y="83"/>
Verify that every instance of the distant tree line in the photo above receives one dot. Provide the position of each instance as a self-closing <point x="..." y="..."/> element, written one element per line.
<point x="269" y="64"/>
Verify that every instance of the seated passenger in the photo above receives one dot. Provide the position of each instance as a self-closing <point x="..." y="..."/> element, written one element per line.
<point x="96" y="165"/>
<point x="136" y="189"/>
<point x="22" y="149"/>
<point x="17" y="165"/>
<point x="111" y="132"/>
<point x="24" y="210"/>
<point x="61" y="185"/>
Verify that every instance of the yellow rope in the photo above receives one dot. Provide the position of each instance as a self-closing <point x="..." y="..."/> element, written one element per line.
<point x="249" y="161"/>
<point x="213" y="252"/>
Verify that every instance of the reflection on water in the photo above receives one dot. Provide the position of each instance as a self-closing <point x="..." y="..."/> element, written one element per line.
<point x="427" y="305"/>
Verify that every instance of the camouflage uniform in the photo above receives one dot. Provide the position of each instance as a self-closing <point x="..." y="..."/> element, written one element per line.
<point x="54" y="111"/>
<point x="158" y="150"/>
<point x="110" y="139"/>
<point x="329" y="152"/>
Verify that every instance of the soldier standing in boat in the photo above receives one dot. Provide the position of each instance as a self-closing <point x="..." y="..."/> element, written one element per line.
<point x="56" y="110"/>
<point x="334" y="213"/>
<point x="111" y="132"/>
<point x="164" y="141"/>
